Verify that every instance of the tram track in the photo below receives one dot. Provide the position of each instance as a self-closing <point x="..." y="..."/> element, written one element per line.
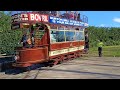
<point x="40" y="71"/>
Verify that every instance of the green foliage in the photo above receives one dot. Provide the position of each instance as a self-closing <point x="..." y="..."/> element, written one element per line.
<point x="108" y="51"/>
<point x="110" y="36"/>
<point x="8" y="38"/>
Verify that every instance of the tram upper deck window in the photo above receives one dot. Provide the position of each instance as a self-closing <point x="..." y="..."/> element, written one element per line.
<point x="70" y="35"/>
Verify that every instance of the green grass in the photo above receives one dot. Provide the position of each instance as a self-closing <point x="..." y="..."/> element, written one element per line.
<point x="108" y="51"/>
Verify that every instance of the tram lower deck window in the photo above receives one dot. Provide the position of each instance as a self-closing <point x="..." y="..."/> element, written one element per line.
<point x="80" y="36"/>
<point x="57" y="36"/>
<point x="70" y="36"/>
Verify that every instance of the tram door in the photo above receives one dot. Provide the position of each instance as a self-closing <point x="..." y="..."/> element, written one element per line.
<point x="40" y="40"/>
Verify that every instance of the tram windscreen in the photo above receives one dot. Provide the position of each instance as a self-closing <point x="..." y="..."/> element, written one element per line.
<point x="37" y="30"/>
<point x="39" y="33"/>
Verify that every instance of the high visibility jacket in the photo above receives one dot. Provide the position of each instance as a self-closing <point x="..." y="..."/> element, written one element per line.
<point x="100" y="44"/>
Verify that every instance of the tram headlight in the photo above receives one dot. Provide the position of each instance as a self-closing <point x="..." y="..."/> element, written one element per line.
<point x="16" y="57"/>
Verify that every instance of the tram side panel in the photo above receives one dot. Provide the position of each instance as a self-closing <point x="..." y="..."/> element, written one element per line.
<point x="28" y="57"/>
<point x="66" y="47"/>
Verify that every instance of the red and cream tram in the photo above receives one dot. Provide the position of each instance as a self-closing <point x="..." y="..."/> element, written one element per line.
<point x="52" y="39"/>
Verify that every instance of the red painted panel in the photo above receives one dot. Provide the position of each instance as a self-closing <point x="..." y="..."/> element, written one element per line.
<point x="82" y="43"/>
<point x="57" y="46"/>
<point x="33" y="55"/>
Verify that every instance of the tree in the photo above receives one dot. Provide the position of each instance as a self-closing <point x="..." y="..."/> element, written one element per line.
<point x="109" y="35"/>
<point x="8" y="37"/>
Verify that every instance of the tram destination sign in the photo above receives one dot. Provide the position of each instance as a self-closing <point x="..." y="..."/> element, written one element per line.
<point x="38" y="17"/>
<point x="30" y="17"/>
<point x="57" y="20"/>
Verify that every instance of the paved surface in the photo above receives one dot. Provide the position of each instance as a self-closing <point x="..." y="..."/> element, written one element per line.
<point x="82" y="68"/>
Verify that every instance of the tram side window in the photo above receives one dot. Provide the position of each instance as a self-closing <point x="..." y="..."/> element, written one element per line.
<point x="81" y="36"/>
<point x="57" y="36"/>
<point x="70" y="36"/>
<point x="60" y="36"/>
<point x="77" y="35"/>
<point x="53" y="36"/>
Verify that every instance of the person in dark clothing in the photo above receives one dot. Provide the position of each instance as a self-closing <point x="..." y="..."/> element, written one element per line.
<point x="78" y="17"/>
<point x="24" y="39"/>
<point x="66" y="15"/>
<point x="100" y="45"/>
<point x="86" y="43"/>
<point x="32" y="32"/>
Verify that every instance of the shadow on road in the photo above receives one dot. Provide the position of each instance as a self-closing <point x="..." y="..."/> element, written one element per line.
<point x="15" y="71"/>
<point x="87" y="73"/>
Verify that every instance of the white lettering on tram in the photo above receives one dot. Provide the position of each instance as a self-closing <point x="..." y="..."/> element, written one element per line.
<point x="38" y="17"/>
<point x="32" y="17"/>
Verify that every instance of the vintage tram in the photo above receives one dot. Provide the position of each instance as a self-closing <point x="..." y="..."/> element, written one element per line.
<point x="52" y="39"/>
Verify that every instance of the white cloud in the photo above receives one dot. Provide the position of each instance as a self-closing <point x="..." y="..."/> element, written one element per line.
<point x="116" y="20"/>
<point x="102" y="25"/>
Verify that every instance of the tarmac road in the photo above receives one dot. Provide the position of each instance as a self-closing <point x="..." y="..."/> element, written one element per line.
<point x="81" y="68"/>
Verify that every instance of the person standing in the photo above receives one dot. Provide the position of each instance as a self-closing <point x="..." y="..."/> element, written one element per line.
<point x="26" y="40"/>
<point x="100" y="45"/>
<point x="86" y="42"/>
<point x="72" y="15"/>
<point x="76" y="15"/>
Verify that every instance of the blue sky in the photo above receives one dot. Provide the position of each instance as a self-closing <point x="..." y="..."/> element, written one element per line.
<point x="103" y="18"/>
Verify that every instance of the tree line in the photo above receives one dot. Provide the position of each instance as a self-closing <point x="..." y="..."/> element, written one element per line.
<point x="9" y="38"/>
<point x="109" y="35"/>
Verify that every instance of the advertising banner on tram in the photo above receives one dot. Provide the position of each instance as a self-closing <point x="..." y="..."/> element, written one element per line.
<point x="57" y="20"/>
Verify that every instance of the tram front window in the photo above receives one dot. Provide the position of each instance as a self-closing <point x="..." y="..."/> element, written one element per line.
<point x="32" y="34"/>
<point x="39" y="32"/>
